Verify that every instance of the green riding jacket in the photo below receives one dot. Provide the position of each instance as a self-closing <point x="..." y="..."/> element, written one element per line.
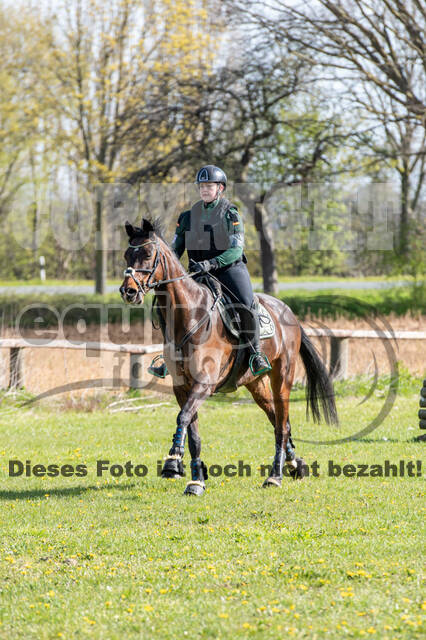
<point x="233" y="229"/>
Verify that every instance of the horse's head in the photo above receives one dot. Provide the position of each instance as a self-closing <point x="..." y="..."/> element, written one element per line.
<point x="143" y="259"/>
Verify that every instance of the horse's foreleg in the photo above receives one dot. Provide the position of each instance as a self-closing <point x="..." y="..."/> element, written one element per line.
<point x="187" y="421"/>
<point x="173" y="465"/>
<point x="196" y="486"/>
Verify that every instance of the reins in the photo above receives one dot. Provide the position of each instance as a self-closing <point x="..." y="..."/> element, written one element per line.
<point x="146" y="286"/>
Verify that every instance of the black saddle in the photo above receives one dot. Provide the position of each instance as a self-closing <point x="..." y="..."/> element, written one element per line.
<point x="227" y="309"/>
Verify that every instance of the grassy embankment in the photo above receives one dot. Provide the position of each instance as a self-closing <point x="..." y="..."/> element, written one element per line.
<point x="325" y="303"/>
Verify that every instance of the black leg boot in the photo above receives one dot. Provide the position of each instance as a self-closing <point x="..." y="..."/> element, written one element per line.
<point x="258" y="361"/>
<point x="173" y="464"/>
<point x="196" y="486"/>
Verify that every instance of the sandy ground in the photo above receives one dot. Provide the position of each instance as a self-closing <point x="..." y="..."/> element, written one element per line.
<point x="46" y="369"/>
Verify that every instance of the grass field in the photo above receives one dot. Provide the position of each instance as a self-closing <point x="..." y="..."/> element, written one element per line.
<point x="328" y="557"/>
<point x="117" y="282"/>
<point x="325" y="303"/>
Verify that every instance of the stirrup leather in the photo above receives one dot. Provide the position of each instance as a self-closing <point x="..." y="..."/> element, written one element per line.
<point x="160" y="371"/>
<point x="263" y="369"/>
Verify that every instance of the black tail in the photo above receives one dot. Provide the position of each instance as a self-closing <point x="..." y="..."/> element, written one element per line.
<point x="318" y="386"/>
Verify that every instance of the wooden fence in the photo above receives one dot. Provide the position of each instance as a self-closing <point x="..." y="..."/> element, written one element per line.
<point x="338" y="362"/>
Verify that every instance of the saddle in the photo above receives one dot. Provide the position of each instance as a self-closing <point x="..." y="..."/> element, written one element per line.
<point x="230" y="317"/>
<point x="231" y="321"/>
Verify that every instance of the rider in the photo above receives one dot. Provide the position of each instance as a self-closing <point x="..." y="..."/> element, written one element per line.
<point x="212" y="233"/>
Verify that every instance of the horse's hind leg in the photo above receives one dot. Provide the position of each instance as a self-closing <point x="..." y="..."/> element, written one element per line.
<point x="262" y="395"/>
<point x="281" y="383"/>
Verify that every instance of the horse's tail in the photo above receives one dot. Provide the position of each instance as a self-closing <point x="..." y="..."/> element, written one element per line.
<point x="319" y="386"/>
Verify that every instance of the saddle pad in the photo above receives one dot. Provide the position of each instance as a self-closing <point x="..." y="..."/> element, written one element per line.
<point x="266" y="324"/>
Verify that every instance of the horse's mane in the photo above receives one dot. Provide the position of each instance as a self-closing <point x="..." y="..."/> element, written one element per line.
<point x="159" y="227"/>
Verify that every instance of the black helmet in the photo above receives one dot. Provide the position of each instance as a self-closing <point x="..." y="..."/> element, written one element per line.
<point x="210" y="173"/>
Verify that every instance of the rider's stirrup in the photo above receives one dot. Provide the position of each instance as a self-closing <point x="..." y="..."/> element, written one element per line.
<point x="262" y="366"/>
<point x="160" y="371"/>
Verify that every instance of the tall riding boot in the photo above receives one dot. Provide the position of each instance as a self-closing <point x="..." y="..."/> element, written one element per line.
<point x="250" y="331"/>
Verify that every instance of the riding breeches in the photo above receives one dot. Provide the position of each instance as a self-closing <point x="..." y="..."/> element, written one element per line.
<point x="236" y="279"/>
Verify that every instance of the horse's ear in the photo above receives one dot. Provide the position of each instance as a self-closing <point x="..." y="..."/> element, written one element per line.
<point x="147" y="226"/>
<point x="130" y="229"/>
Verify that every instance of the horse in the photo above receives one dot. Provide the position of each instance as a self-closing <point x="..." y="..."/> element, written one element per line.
<point x="200" y="354"/>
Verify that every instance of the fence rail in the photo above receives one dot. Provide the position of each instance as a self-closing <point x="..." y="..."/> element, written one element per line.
<point x="338" y="365"/>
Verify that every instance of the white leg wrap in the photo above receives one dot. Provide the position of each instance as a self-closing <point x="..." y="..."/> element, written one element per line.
<point x="197" y="482"/>
<point x="291" y="463"/>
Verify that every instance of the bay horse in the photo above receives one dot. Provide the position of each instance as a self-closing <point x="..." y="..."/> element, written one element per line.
<point x="200" y="352"/>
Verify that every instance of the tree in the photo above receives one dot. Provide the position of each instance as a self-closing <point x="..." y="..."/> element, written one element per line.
<point x="19" y="117"/>
<point x="239" y="115"/>
<point x="377" y="49"/>
<point x="245" y="110"/>
<point x="106" y="78"/>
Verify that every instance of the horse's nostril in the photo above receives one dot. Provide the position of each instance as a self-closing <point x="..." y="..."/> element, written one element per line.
<point x="131" y="292"/>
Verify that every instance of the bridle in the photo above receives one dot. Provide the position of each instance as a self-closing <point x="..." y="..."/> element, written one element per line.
<point x="144" y="287"/>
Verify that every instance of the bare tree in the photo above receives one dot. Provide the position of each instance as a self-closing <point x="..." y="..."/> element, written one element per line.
<point x="106" y="76"/>
<point x="376" y="49"/>
<point x="246" y="104"/>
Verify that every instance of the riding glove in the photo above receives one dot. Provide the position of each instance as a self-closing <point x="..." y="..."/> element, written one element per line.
<point x="204" y="266"/>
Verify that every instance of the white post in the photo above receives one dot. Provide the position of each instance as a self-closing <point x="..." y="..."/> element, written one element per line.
<point x="42" y="269"/>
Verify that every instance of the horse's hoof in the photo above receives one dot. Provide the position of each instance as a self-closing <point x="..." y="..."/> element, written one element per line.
<point x="272" y="481"/>
<point x="194" y="488"/>
<point x="299" y="472"/>
<point x="172" y="468"/>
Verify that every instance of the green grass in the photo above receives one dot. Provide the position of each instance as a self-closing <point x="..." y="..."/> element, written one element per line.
<point x="357" y="304"/>
<point x="131" y="557"/>
<point x="115" y="281"/>
<point x="50" y="282"/>
<point x="333" y="279"/>
<point x="332" y="303"/>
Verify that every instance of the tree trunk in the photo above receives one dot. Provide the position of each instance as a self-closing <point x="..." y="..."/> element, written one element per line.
<point x="101" y="250"/>
<point x="404" y="215"/>
<point x="267" y="255"/>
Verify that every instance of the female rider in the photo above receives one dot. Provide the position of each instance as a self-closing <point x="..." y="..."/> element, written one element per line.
<point x="212" y="233"/>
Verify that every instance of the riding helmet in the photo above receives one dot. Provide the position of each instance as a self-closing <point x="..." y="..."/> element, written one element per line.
<point x="210" y="173"/>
